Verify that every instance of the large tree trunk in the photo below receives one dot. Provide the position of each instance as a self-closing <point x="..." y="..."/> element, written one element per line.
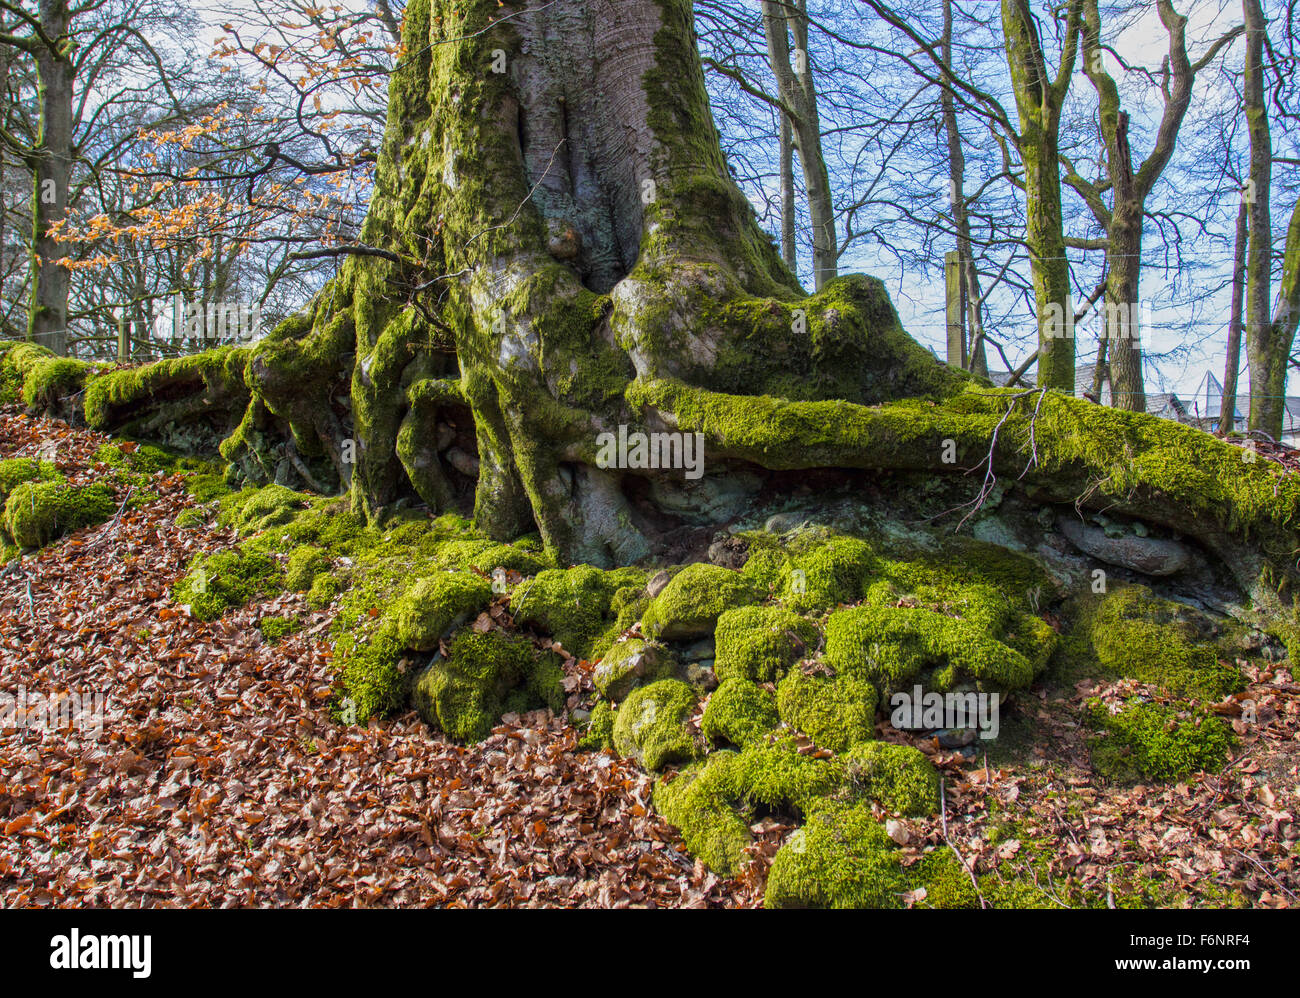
<point x="563" y="256"/>
<point x="51" y="164"/>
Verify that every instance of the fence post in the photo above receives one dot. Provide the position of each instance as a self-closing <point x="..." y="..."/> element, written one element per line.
<point x="123" y="338"/>
<point x="955" y="318"/>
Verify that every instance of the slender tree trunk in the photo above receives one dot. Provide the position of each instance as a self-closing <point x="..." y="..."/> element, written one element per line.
<point x="798" y="92"/>
<point x="1268" y="362"/>
<point x="788" y="251"/>
<point x="1038" y="101"/>
<point x="51" y="162"/>
<point x="1232" y="363"/>
<point x="976" y="358"/>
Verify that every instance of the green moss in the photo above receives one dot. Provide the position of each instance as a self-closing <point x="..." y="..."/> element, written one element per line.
<point x="220" y="372"/>
<point x="325" y="587"/>
<point x="16" y="470"/>
<point x="305" y="563"/>
<point x="600" y="728"/>
<point x="189" y="519"/>
<point x="36" y="512"/>
<point x="700" y="802"/>
<point x="225" y="580"/>
<point x="206" y="487"/>
<point x="652" y="724"/>
<point x="714" y="802"/>
<point x="898" y="777"/>
<point x="835" y="711"/>
<point x="275" y="628"/>
<point x="435" y="605"/>
<point x="840" y="858"/>
<point x="629" y="664"/>
<point x="50" y="380"/>
<point x="250" y="511"/>
<point x="760" y="642"/>
<point x="1151" y="741"/>
<point x="1131" y="633"/>
<point x="892" y="646"/>
<point x="466" y="693"/>
<point x="739" y="712"/>
<point x="573" y="605"/>
<point x="690" y="605"/>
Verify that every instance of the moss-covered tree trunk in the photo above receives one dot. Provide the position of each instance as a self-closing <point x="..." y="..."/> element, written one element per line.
<point x="558" y="259"/>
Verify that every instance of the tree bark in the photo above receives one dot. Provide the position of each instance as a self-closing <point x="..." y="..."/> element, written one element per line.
<point x="51" y="165"/>
<point x="1268" y="362"/>
<point x="977" y="360"/>
<point x="573" y="263"/>
<point x="1038" y="101"/>
<point x="1232" y="363"/>
<point x="797" y="90"/>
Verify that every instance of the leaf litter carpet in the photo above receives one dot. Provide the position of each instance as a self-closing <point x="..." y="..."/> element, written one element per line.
<point x="220" y="779"/>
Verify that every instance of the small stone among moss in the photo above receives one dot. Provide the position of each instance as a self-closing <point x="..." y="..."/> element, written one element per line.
<point x="629" y="663"/>
<point x="739" y="712"/>
<point x="690" y="605"/>
<point x="760" y="642"/>
<point x="835" y="711"/>
<point x="466" y="693"/>
<point x="652" y="724"/>
<point x="435" y="605"/>
<point x="898" y="777"/>
<point x="1155" y="742"/>
<point x="37" y="512"/>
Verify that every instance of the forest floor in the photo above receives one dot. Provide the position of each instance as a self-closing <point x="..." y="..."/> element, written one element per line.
<point x="219" y="777"/>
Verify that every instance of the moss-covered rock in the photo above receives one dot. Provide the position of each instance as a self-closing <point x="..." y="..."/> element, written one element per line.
<point x="253" y="510"/>
<point x="573" y="605"/>
<point x="225" y="580"/>
<point x="466" y="693"/>
<point x="835" y="711"/>
<point x="653" y="727"/>
<point x="760" y="642"/>
<point x="629" y="664"/>
<point x="1155" y="742"/>
<point x="1132" y="633"/>
<point x="739" y="712"/>
<point x="840" y="858"/>
<point x="713" y="803"/>
<point x="892" y="646"/>
<point x="16" y="470"/>
<point x="690" y="605"/>
<point x="37" y="512"/>
<point x="898" y="777"/>
<point x="435" y="605"/>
